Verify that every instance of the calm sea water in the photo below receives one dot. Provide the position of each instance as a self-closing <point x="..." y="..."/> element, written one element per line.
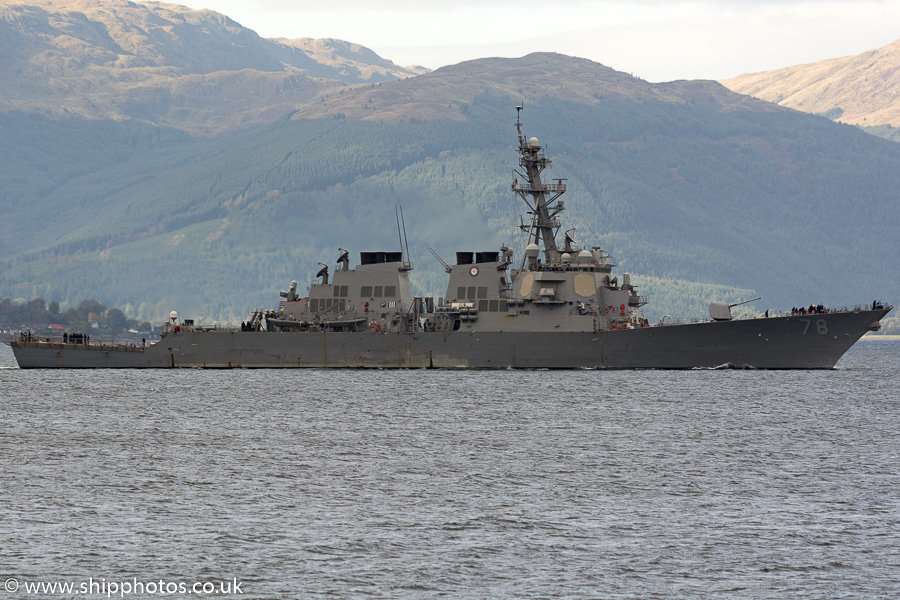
<point x="422" y="484"/>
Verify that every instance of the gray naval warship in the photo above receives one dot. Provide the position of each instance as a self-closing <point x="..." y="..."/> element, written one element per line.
<point x="556" y="307"/>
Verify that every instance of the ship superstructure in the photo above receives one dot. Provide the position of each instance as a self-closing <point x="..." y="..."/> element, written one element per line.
<point x="552" y="289"/>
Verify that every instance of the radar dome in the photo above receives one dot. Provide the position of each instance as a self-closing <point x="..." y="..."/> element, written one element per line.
<point x="533" y="142"/>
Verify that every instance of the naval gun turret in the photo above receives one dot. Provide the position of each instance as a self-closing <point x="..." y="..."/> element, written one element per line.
<point x="721" y="311"/>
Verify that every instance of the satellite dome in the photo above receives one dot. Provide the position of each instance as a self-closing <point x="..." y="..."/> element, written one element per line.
<point x="565" y="258"/>
<point x="173" y="315"/>
<point x="532" y="250"/>
<point x="533" y="142"/>
<point x="585" y="257"/>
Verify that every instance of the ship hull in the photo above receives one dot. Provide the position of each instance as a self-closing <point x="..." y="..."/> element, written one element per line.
<point x="796" y="342"/>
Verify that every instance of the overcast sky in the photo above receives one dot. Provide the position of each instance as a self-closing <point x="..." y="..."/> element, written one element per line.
<point x="657" y="40"/>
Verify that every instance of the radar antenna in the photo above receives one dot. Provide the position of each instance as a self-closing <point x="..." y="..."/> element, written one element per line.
<point x="344" y="259"/>
<point x="323" y="273"/>
<point x="540" y="197"/>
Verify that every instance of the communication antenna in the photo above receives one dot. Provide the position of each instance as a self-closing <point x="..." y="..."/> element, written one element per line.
<point x="401" y="232"/>
<point x="519" y="124"/>
<point x="405" y="237"/>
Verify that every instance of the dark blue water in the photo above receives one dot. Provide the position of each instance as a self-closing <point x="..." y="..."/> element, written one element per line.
<point x="423" y="484"/>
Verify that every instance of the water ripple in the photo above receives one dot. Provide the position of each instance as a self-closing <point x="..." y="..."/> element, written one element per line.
<point x="415" y="484"/>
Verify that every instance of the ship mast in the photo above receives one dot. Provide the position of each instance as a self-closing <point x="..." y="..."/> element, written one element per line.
<point x="543" y="197"/>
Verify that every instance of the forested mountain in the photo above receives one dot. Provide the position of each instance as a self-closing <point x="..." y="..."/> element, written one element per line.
<point x="702" y="194"/>
<point x="860" y="90"/>
<point x="166" y="64"/>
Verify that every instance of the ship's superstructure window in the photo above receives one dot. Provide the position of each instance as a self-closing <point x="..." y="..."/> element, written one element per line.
<point x="365" y="291"/>
<point x="492" y="306"/>
<point x="472" y="292"/>
<point x="324" y="304"/>
<point x="377" y="292"/>
<point x="340" y="291"/>
<point x="390" y="291"/>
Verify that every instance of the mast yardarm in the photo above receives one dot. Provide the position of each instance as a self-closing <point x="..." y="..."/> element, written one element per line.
<point x="543" y="196"/>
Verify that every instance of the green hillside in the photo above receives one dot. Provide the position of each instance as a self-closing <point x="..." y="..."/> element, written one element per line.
<point x="699" y="202"/>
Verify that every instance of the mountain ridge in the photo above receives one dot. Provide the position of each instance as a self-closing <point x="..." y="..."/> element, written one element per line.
<point x="859" y="90"/>
<point x="445" y="92"/>
<point x="193" y="69"/>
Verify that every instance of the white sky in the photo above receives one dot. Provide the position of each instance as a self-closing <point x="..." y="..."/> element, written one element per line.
<point x="657" y="40"/>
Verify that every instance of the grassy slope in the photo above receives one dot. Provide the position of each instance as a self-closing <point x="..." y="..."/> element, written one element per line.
<point x="853" y="89"/>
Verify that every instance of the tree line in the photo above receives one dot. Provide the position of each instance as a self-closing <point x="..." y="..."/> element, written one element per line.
<point x="90" y="317"/>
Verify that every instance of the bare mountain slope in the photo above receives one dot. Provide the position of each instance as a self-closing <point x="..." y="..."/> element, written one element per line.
<point x="164" y="63"/>
<point x="860" y="90"/>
